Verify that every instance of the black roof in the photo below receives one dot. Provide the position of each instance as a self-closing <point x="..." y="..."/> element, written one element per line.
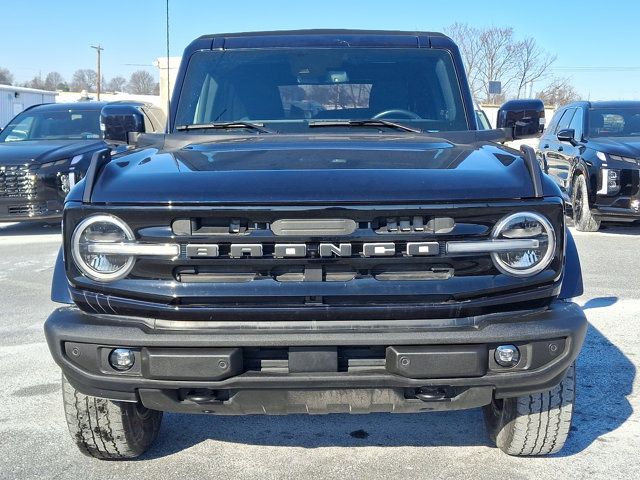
<point x="613" y="104"/>
<point x="319" y="38"/>
<point x="82" y="106"/>
<point x="78" y="106"/>
<point x="323" y="31"/>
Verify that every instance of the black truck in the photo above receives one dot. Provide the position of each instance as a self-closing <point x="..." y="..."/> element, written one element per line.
<point x="592" y="151"/>
<point x="46" y="149"/>
<point x="322" y="229"/>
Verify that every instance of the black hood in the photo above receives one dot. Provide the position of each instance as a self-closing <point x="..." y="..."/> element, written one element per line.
<point x="43" y="151"/>
<point x="316" y="169"/>
<point x="623" y="146"/>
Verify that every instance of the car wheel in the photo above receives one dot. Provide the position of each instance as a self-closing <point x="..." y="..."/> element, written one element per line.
<point x="109" y="430"/>
<point x="582" y="215"/>
<point x="533" y="425"/>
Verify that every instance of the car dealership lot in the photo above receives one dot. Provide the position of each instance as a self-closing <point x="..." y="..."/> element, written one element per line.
<point x="34" y="439"/>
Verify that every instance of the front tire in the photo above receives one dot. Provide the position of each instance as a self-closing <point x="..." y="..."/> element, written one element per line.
<point x="533" y="425"/>
<point x="109" y="430"/>
<point x="582" y="215"/>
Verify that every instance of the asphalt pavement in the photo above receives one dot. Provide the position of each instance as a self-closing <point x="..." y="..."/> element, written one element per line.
<point x="604" y="442"/>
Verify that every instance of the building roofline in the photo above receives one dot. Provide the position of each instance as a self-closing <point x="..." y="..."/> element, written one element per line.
<point x="26" y="90"/>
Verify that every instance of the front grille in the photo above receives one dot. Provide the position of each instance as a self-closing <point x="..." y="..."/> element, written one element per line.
<point x="16" y="182"/>
<point x="379" y="262"/>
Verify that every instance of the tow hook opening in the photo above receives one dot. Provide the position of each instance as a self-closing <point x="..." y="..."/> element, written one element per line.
<point x="434" y="394"/>
<point x="203" y="396"/>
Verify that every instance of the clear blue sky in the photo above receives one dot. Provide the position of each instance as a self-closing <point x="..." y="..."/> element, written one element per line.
<point x="587" y="36"/>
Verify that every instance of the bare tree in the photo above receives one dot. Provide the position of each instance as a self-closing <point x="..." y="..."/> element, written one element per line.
<point x="559" y="92"/>
<point x="53" y="81"/>
<point x="141" y="82"/>
<point x="116" y="84"/>
<point x="35" y="82"/>
<point x="6" y="77"/>
<point x="494" y="54"/>
<point x="498" y="58"/>
<point x="84" y="79"/>
<point x="468" y="40"/>
<point x="533" y="64"/>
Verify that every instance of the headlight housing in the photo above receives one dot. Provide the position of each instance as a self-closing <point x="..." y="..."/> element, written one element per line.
<point x="102" y="230"/>
<point x="524" y="262"/>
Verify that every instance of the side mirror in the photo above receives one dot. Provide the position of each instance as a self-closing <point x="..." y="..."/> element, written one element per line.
<point x="567" y="135"/>
<point x="119" y="121"/>
<point x="524" y="117"/>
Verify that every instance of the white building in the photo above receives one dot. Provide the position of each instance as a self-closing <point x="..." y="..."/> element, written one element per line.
<point x="168" y="72"/>
<point x="70" y="97"/>
<point x="13" y="100"/>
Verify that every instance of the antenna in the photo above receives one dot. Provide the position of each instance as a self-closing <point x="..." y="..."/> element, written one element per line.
<point x="168" y="75"/>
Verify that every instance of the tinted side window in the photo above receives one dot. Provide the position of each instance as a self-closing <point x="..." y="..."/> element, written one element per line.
<point x="565" y="121"/>
<point x="577" y="122"/>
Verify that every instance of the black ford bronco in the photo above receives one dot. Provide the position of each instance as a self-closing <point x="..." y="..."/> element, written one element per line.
<point x="322" y="229"/>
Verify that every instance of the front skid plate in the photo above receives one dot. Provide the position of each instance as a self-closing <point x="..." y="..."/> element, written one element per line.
<point x="283" y="402"/>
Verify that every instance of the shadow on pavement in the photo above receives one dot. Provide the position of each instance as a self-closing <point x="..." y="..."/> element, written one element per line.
<point x="605" y="379"/>
<point x="600" y="302"/>
<point x="620" y="228"/>
<point x="29" y="228"/>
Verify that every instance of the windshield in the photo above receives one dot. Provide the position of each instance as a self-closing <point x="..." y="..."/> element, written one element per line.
<point x="293" y="88"/>
<point x="48" y="124"/>
<point x="614" y="122"/>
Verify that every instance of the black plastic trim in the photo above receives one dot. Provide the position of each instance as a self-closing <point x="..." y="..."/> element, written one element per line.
<point x="561" y="320"/>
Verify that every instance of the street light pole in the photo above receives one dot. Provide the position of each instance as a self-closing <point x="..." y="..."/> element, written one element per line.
<point x="98" y="49"/>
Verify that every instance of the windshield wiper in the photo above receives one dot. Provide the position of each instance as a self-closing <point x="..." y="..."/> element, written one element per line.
<point x="224" y="126"/>
<point x="371" y="122"/>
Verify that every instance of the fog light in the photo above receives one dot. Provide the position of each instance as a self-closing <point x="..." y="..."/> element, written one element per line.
<point x="507" y="355"/>
<point x="122" y="359"/>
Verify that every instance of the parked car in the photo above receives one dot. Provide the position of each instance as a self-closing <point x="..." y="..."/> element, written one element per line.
<point x="383" y="256"/>
<point x="482" y="119"/>
<point x="592" y="151"/>
<point x="47" y="148"/>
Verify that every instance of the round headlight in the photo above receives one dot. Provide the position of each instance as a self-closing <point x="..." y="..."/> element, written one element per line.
<point x="527" y="261"/>
<point x="101" y="230"/>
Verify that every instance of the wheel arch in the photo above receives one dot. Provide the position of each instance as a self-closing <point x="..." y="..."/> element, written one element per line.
<point x="59" y="284"/>
<point x="572" y="285"/>
<point x="579" y="168"/>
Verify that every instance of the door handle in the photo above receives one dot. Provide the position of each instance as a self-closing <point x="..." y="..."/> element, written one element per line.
<point x="560" y="149"/>
<point x="545" y="146"/>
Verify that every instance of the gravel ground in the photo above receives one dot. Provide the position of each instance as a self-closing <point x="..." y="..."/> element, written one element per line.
<point x="605" y="441"/>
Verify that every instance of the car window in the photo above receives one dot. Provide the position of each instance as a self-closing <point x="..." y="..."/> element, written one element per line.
<point x="482" y="120"/>
<point x="49" y="124"/>
<point x="565" y="121"/>
<point x="291" y="86"/>
<point x="576" y="123"/>
<point x="614" y="122"/>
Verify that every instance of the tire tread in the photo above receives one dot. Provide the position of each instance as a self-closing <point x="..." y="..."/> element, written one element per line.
<point x="99" y="426"/>
<point x="537" y="424"/>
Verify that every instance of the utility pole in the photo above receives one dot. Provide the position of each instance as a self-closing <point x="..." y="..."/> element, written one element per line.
<point x="98" y="49"/>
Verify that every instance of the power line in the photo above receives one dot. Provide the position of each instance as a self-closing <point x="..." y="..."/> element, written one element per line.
<point x="168" y="76"/>
<point x="589" y="68"/>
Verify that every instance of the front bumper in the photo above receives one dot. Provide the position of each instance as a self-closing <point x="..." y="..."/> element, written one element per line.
<point x="406" y="366"/>
<point x="43" y="200"/>
<point x="621" y="208"/>
<point x="19" y="210"/>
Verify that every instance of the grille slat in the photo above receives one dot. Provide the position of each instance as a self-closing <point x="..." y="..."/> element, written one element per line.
<point x="16" y="182"/>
